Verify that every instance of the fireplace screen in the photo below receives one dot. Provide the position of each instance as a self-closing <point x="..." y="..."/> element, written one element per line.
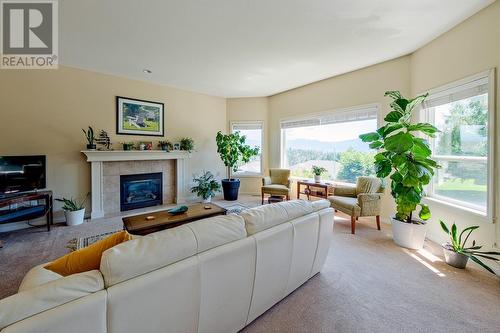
<point x="141" y="190"/>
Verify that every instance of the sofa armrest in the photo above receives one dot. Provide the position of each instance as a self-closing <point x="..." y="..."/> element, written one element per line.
<point x="49" y="295"/>
<point x="266" y="181"/>
<point x="344" y="190"/>
<point x="370" y="204"/>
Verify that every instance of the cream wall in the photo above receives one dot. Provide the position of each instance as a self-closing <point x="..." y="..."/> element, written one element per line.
<point x="361" y="87"/>
<point x="43" y="111"/>
<point x="468" y="49"/>
<point x="251" y="109"/>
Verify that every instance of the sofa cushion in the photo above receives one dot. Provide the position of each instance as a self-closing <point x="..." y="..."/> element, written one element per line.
<point x="263" y="217"/>
<point x="296" y="208"/>
<point x="216" y="231"/>
<point x="320" y="204"/>
<point x="142" y="255"/>
<point x="48" y="295"/>
<point x="276" y="189"/>
<point x="87" y="258"/>
<point x="37" y="276"/>
<point x="346" y="205"/>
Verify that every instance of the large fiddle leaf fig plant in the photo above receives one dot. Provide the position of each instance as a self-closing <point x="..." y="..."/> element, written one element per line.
<point x="404" y="156"/>
<point x="233" y="150"/>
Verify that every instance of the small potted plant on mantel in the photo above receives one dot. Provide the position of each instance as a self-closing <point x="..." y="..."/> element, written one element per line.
<point x="186" y="144"/>
<point x="165" y="145"/>
<point x="206" y="186"/>
<point x="317" y="172"/>
<point x="233" y="151"/>
<point x="89" y="135"/>
<point x="74" y="211"/>
<point x="405" y="159"/>
<point x="456" y="252"/>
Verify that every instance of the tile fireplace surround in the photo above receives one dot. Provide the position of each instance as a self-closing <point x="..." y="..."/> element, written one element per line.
<point x="107" y="166"/>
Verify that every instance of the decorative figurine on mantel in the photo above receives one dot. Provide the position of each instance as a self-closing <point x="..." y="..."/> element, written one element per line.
<point x="104" y="140"/>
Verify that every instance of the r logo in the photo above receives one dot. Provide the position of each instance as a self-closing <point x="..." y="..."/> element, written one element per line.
<point x="27" y="27"/>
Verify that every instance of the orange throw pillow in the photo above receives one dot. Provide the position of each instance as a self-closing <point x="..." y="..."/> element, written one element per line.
<point x="88" y="258"/>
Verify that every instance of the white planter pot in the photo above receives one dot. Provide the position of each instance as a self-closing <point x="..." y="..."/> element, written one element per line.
<point x="317" y="179"/>
<point x="74" y="218"/>
<point x="408" y="235"/>
<point x="208" y="200"/>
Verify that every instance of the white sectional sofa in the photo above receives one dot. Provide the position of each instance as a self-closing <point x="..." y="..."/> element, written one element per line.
<point x="213" y="275"/>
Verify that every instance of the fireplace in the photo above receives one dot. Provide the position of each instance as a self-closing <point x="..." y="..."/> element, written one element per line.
<point x="140" y="190"/>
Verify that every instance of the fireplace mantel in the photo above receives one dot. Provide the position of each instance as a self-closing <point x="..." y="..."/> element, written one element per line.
<point x="133" y="155"/>
<point x="97" y="157"/>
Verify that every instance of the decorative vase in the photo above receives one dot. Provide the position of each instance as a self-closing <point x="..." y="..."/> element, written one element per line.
<point x="455" y="259"/>
<point x="409" y="235"/>
<point x="91" y="146"/>
<point x="317" y="178"/>
<point x="230" y="188"/>
<point x="207" y="200"/>
<point x="74" y="217"/>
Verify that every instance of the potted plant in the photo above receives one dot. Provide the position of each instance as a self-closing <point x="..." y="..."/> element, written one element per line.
<point x="186" y="144"/>
<point x="206" y="186"/>
<point x="128" y="145"/>
<point x="317" y="171"/>
<point x="165" y="145"/>
<point x="233" y="150"/>
<point x="89" y="135"/>
<point x="456" y="253"/>
<point x="73" y="210"/>
<point x="405" y="157"/>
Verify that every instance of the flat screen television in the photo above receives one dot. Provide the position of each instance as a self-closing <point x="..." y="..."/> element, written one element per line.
<point x="22" y="173"/>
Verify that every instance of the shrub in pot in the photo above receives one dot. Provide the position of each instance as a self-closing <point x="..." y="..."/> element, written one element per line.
<point x="74" y="211"/>
<point x="186" y="144"/>
<point x="456" y="252"/>
<point x="404" y="157"/>
<point x="233" y="150"/>
<point x="206" y="186"/>
<point x="317" y="171"/>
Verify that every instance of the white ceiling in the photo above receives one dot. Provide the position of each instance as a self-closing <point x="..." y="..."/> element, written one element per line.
<point x="240" y="48"/>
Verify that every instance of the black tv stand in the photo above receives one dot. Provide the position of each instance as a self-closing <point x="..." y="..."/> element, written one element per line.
<point x="28" y="212"/>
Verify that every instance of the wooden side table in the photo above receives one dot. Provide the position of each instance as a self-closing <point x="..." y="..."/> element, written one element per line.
<point x="304" y="187"/>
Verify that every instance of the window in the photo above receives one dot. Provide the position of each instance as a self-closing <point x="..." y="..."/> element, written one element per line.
<point x="330" y="140"/>
<point x="462" y="113"/>
<point x="253" y="133"/>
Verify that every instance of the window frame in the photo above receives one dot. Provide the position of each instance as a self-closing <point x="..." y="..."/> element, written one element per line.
<point x="426" y="116"/>
<point x="314" y="115"/>
<point x="244" y="174"/>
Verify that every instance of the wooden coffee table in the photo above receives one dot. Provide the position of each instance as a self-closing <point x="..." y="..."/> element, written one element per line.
<point x="155" y="221"/>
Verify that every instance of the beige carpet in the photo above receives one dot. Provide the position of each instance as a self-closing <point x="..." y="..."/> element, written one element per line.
<point x="367" y="285"/>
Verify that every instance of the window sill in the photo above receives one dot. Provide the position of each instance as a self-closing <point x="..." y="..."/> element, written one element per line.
<point x="247" y="175"/>
<point x="471" y="211"/>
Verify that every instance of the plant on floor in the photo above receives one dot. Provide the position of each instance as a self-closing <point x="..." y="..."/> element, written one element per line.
<point x="89" y="135"/>
<point x="187" y="144"/>
<point x="459" y="247"/>
<point x="206" y="186"/>
<point x="71" y="204"/>
<point x="404" y="156"/>
<point x="74" y="211"/>
<point x="233" y="150"/>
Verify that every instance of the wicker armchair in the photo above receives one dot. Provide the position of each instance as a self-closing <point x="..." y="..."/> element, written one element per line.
<point x="362" y="199"/>
<point x="278" y="183"/>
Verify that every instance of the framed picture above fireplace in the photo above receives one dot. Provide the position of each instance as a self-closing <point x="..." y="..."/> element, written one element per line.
<point x="139" y="117"/>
